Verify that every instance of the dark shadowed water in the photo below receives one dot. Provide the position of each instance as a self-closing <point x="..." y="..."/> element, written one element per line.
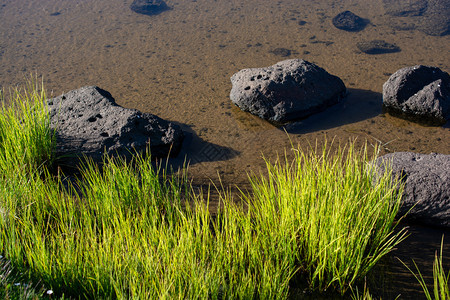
<point x="178" y="65"/>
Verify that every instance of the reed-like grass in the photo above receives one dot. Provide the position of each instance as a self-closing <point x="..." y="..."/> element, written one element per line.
<point x="131" y="231"/>
<point x="26" y="140"/>
<point x="128" y="235"/>
<point x="365" y="295"/>
<point x="13" y="286"/>
<point x="441" y="287"/>
<point x="333" y="211"/>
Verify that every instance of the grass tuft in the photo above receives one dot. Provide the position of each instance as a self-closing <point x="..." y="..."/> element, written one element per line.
<point x="333" y="218"/>
<point x="133" y="231"/>
<point x="441" y="287"/>
<point x="26" y="140"/>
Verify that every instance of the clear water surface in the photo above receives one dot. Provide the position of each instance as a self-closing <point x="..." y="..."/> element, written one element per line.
<point x="178" y="65"/>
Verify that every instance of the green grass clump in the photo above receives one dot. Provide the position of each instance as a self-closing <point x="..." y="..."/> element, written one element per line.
<point x="26" y="140"/>
<point x="335" y="213"/>
<point x="132" y="231"/>
<point x="12" y="286"/>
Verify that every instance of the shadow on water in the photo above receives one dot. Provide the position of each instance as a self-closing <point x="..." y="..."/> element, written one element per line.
<point x="357" y="106"/>
<point x="196" y="150"/>
<point x="390" y="278"/>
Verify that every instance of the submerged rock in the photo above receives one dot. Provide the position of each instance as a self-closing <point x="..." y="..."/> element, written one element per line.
<point x="149" y="7"/>
<point x="429" y="16"/>
<point x="402" y="8"/>
<point x="427" y="185"/>
<point x="436" y="20"/>
<point x="286" y="91"/>
<point x="348" y="21"/>
<point x="88" y="122"/>
<point x="281" y="52"/>
<point x="418" y="93"/>
<point x="377" y="47"/>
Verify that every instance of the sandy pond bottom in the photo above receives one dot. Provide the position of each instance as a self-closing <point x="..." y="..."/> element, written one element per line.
<point x="178" y="65"/>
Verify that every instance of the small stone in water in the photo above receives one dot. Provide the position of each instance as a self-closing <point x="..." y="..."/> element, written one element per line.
<point x="149" y="7"/>
<point x="377" y="47"/>
<point x="281" y="52"/>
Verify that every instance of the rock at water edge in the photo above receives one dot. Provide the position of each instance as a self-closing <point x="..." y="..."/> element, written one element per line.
<point x="286" y="91"/>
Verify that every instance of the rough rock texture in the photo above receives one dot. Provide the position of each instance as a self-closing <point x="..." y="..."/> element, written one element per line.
<point x="149" y="7"/>
<point x="289" y="90"/>
<point x="89" y="122"/>
<point x="427" y="185"/>
<point x="418" y="93"/>
<point x="348" y="21"/>
<point x="377" y="47"/>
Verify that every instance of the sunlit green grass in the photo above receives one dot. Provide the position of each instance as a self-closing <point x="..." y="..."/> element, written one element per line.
<point x="328" y="211"/>
<point x="26" y="140"/>
<point x="132" y="231"/>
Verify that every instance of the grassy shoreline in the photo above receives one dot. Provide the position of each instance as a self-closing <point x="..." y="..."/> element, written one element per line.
<point x="130" y="231"/>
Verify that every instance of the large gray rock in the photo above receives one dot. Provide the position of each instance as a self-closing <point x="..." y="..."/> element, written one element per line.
<point x="286" y="91"/>
<point x="89" y="122"/>
<point x="149" y="7"/>
<point x="419" y="93"/>
<point x="427" y="185"/>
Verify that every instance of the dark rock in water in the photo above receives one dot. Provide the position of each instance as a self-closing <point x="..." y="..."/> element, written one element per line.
<point x="436" y="20"/>
<point x="404" y="24"/>
<point x="377" y="47"/>
<point x="289" y="90"/>
<point x="431" y="17"/>
<point x="403" y="8"/>
<point x="149" y="7"/>
<point x="281" y="52"/>
<point x="348" y="21"/>
<point x="419" y="93"/>
<point x="89" y="122"/>
<point x="427" y="185"/>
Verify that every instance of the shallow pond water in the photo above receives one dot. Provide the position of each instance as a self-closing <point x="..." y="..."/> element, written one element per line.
<point x="178" y="65"/>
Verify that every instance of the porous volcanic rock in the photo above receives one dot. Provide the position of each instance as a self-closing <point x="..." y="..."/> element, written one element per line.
<point x="348" y="21"/>
<point x="88" y="122"/>
<point x="377" y="47"/>
<point x="288" y="90"/>
<point x="427" y="185"/>
<point x="418" y="93"/>
<point x="149" y="7"/>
